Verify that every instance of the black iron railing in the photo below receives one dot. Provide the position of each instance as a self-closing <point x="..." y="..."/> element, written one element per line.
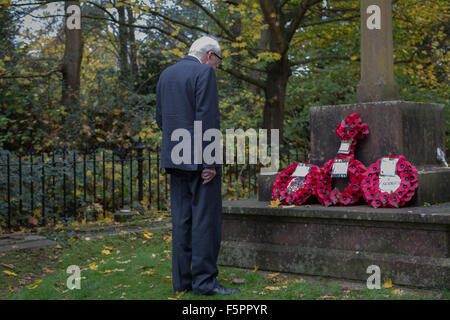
<point x="63" y="183"/>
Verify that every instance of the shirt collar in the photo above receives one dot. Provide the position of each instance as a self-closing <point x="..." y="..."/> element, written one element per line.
<point x="190" y="55"/>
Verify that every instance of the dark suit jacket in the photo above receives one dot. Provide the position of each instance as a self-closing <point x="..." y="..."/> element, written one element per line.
<point x="186" y="91"/>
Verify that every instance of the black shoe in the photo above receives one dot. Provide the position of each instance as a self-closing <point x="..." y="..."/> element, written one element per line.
<point x="219" y="289"/>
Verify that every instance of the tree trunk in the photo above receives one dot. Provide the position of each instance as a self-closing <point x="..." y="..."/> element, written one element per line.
<point x="124" y="75"/>
<point x="275" y="94"/>
<point x="236" y="29"/>
<point x="71" y="64"/>
<point x="133" y="51"/>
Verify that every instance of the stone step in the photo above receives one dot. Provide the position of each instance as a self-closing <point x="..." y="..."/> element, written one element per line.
<point x="27" y="245"/>
<point x="410" y="245"/>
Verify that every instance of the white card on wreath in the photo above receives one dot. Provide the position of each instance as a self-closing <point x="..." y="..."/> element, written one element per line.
<point x="345" y="146"/>
<point x="340" y="168"/>
<point x="302" y="170"/>
<point x="388" y="166"/>
<point x="389" y="184"/>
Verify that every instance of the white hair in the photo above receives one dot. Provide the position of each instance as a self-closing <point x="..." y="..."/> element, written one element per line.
<point x="202" y="45"/>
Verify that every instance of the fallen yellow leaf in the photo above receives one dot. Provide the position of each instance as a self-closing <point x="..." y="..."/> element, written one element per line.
<point x="147" y="234"/>
<point x="270" y="288"/>
<point x="387" y="284"/>
<point x="274" y="204"/>
<point x="34" y="285"/>
<point x="93" y="266"/>
<point x="179" y="294"/>
<point x="106" y="252"/>
<point x="9" y="273"/>
<point x="396" y="291"/>
<point x="272" y="276"/>
<point x="110" y="271"/>
<point x="123" y="262"/>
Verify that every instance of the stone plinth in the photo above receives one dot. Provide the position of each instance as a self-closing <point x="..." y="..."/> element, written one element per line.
<point x="410" y="245"/>
<point x="411" y="129"/>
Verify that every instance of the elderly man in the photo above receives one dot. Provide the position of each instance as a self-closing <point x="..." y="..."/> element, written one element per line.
<point x="187" y="92"/>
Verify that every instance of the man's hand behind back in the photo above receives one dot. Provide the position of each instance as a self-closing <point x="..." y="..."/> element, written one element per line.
<point x="208" y="174"/>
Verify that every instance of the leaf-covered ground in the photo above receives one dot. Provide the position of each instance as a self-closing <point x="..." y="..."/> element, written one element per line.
<point x="137" y="265"/>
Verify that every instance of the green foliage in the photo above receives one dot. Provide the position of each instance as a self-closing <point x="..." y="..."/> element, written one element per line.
<point x="324" y="57"/>
<point x="239" y="108"/>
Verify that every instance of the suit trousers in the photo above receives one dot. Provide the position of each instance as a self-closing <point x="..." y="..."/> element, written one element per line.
<point x="196" y="230"/>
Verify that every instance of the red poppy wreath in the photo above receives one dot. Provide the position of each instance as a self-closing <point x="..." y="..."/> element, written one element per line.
<point x="289" y="189"/>
<point x="351" y="194"/>
<point x="393" y="189"/>
<point x="352" y="129"/>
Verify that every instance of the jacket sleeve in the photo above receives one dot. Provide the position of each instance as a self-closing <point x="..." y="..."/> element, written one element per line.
<point x="158" y="106"/>
<point x="207" y="103"/>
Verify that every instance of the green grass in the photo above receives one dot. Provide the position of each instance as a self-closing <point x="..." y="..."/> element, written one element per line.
<point x="146" y="265"/>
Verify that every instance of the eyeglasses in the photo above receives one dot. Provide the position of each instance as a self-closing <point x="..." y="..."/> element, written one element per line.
<point x="219" y="57"/>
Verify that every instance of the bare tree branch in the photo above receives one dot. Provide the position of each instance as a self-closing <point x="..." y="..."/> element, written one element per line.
<point x="103" y="9"/>
<point x="270" y="17"/>
<point x="231" y="36"/>
<point x="306" y="61"/>
<point x="256" y="82"/>
<point x="181" y="23"/>
<point x="141" y="27"/>
<point x="328" y="21"/>
<point x="300" y="12"/>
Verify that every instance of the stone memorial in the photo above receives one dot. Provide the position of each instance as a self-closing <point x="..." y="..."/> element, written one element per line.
<point x="410" y="245"/>
<point x="414" y="130"/>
